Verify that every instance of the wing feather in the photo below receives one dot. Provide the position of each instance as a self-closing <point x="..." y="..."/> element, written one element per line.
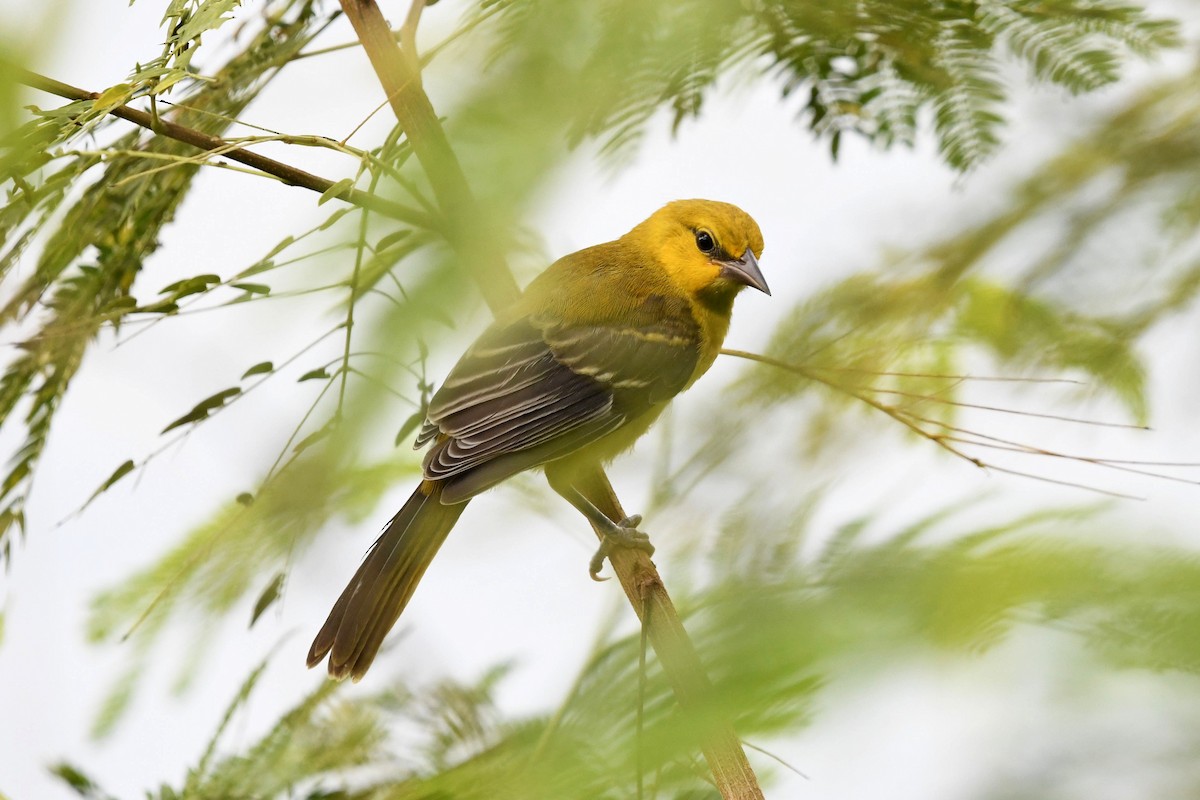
<point x="533" y="390"/>
<point x="452" y="456"/>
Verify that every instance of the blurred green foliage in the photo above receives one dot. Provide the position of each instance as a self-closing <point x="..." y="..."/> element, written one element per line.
<point x="774" y="629"/>
<point x="87" y="200"/>
<point x="868" y="68"/>
<point x="218" y="564"/>
<point x="84" y="273"/>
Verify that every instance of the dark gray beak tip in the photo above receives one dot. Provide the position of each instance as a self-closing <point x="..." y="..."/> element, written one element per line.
<point x="745" y="271"/>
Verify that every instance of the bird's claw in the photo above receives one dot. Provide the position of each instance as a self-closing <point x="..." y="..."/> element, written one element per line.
<point x="622" y="534"/>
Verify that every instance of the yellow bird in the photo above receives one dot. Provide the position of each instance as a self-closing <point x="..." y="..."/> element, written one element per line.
<point x="568" y="377"/>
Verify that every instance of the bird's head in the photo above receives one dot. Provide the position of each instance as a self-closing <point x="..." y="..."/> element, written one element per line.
<point x="706" y="247"/>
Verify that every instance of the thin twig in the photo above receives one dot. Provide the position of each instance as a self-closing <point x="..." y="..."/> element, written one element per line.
<point x="854" y="392"/>
<point x="774" y="757"/>
<point x="360" y="248"/>
<point x="432" y="53"/>
<point x="271" y="474"/>
<point x="942" y="376"/>
<point x="1039" y="451"/>
<point x="1000" y="410"/>
<point x="639" y="741"/>
<point x="408" y="35"/>
<point x="913" y="423"/>
<point x="1071" y="484"/>
<point x="285" y="172"/>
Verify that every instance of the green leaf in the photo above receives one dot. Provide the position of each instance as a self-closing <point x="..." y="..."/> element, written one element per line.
<point x="161" y="307"/>
<point x="161" y="86"/>
<point x="259" y="369"/>
<point x="409" y="426"/>
<point x="314" y="374"/>
<point x="10" y="517"/>
<point x="115" y="704"/>
<point x="312" y="438"/>
<point x="334" y="217"/>
<point x="392" y="239"/>
<point x="19" y="472"/>
<point x="188" y="286"/>
<point x="254" y="269"/>
<point x="118" y="473"/>
<point x="284" y="244"/>
<point x="335" y="190"/>
<point x="253" y="288"/>
<point x="77" y="780"/>
<point x="205" y="407"/>
<point x="267" y="598"/>
<point x="113" y="96"/>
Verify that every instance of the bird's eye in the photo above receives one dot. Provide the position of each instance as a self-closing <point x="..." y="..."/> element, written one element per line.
<point x="705" y="242"/>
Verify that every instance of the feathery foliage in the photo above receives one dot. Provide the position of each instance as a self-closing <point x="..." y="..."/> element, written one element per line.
<point x="775" y="622"/>
<point x="867" y="68"/>
<point x="776" y="630"/>
<point x="85" y="272"/>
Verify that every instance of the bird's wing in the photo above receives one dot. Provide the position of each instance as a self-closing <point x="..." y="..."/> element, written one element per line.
<point x="533" y="390"/>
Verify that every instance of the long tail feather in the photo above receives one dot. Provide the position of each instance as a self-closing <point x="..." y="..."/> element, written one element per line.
<point x="377" y="594"/>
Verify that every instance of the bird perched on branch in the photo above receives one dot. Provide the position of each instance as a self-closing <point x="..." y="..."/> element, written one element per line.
<point x="568" y="377"/>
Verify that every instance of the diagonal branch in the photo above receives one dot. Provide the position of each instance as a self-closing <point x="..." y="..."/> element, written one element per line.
<point x="399" y="74"/>
<point x="214" y="144"/>
<point x="467" y="227"/>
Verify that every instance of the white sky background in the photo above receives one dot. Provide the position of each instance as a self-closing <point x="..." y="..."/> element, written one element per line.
<point x="913" y="730"/>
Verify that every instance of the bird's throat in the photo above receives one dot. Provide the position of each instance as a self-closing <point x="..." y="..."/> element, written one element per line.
<point x="717" y="298"/>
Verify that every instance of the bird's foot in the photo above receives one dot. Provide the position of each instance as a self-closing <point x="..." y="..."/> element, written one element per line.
<point x="622" y="534"/>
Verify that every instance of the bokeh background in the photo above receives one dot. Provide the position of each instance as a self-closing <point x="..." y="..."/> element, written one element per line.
<point x="883" y="617"/>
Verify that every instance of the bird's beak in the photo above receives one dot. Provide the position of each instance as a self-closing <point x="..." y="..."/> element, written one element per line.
<point x="745" y="271"/>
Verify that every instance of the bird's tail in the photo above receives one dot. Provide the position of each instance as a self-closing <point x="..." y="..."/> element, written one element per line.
<point x="372" y="601"/>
